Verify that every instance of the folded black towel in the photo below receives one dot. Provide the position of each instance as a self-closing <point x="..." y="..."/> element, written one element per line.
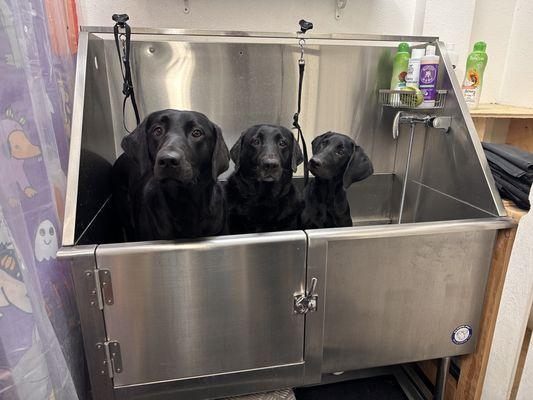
<point x="522" y="159"/>
<point x="524" y="182"/>
<point x="510" y="189"/>
<point x="512" y="170"/>
<point x="505" y="165"/>
<point x="507" y="191"/>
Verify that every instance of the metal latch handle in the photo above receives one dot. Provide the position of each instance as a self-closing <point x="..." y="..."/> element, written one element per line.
<point x="307" y="301"/>
<point x="311" y="291"/>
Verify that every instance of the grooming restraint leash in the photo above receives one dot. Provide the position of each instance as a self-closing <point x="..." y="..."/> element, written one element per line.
<point x="122" y="40"/>
<point x="304" y="27"/>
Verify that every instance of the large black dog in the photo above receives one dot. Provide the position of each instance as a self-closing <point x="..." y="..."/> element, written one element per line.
<point x="166" y="180"/>
<point x="337" y="162"/>
<point x="260" y="194"/>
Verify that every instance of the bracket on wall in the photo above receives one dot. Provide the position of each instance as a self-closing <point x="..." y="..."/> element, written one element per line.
<point x="340" y="5"/>
<point x="186" y="6"/>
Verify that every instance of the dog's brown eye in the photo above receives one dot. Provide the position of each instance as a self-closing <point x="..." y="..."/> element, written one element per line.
<point x="256" y="141"/>
<point x="340" y="152"/>
<point x="282" y="143"/>
<point x="197" y="133"/>
<point x="158" y="131"/>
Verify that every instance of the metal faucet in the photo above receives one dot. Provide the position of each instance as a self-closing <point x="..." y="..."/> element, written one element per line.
<point x="431" y="121"/>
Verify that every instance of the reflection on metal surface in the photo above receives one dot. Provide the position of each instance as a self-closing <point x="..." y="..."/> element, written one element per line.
<point x="405" y="294"/>
<point x="406" y="174"/>
<point x="206" y="307"/>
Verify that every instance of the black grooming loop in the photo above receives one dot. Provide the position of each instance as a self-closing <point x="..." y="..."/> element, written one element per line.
<point x="122" y="32"/>
<point x="304" y="27"/>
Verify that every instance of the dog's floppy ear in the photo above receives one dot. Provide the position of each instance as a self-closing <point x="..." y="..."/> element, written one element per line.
<point x="235" y="151"/>
<point x="359" y="167"/>
<point x="135" y="145"/>
<point x="220" y="160"/>
<point x="297" y="156"/>
<point x="316" y="141"/>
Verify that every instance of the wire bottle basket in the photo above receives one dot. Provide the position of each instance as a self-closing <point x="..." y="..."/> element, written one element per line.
<point x="408" y="99"/>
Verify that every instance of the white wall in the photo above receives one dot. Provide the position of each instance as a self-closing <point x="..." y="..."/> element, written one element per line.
<point x="517" y="78"/>
<point x="492" y="23"/>
<point x="506" y="27"/>
<point x="383" y="16"/>
<point x="526" y="383"/>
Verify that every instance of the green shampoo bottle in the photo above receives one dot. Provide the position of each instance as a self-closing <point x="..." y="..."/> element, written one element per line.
<point x="399" y="67"/>
<point x="475" y="67"/>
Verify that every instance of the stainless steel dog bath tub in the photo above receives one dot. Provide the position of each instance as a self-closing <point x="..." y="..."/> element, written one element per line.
<point x="216" y="317"/>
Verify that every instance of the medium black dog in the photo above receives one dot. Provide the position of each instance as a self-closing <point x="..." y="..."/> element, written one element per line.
<point x="166" y="182"/>
<point x="260" y="194"/>
<point x="337" y="162"/>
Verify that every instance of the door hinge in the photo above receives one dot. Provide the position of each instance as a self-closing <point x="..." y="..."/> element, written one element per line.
<point x="307" y="301"/>
<point x="94" y="294"/>
<point x="100" y="288"/>
<point x="109" y="358"/>
<point x="104" y="276"/>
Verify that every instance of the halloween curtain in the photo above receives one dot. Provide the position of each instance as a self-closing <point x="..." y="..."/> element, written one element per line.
<point x="40" y="341"/>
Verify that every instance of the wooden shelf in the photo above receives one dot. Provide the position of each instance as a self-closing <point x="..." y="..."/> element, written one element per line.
<point x="497" y="123"/>
<point x="501" y="111"/>
<point x="513" y="210"/>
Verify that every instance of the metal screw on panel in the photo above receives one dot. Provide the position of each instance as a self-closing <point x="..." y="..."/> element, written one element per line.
<point x="151" y="49"/>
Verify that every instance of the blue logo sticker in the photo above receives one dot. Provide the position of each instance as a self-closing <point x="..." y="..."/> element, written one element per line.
<point x="462" y="334"/>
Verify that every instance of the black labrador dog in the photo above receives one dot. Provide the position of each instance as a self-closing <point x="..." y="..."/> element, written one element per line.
<point x="337" y="162"/>
<point x="166" y="181"/>
<point x="260" y="194"/>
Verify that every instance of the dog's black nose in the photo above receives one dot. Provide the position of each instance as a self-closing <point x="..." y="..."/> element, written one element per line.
<point x="270" y="164"/>
<point x="168" y="161"/>
<point x="313" y="162"/>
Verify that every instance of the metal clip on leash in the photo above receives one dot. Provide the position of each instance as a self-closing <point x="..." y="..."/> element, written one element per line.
<point x="304" y="27"/>
<point x="122" y="33"/>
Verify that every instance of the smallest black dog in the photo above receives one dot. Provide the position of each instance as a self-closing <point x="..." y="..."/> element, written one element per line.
<point x="337" y="162"/>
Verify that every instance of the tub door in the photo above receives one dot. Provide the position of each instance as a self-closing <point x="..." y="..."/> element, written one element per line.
<point x="211" y="312"/>
<point x="402" y="293"/>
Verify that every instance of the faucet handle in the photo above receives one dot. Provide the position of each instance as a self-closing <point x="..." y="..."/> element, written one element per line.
<point x="396" y="125"/>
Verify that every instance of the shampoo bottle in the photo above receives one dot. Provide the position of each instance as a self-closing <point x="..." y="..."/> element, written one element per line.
<point x="475" y="67"/>
<point x="413" y="69"/>
<point x="429" y="71"/>
<point x="399" y="67"/>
